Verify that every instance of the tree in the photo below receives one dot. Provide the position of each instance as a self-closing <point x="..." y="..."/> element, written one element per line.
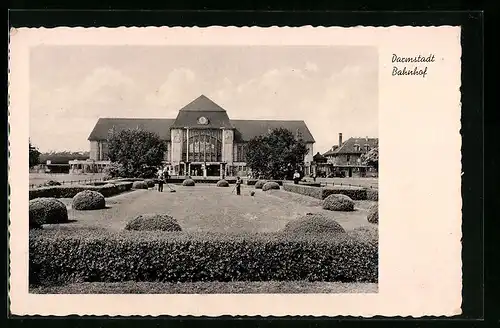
<point x="275" y="155"/>
<point x="371" y="157"/>
<point x="139" y="152"/>
<point x="34" y="157"/>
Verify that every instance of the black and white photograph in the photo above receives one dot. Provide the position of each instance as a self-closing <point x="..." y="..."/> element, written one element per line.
<point x="234" y="171"/>
<point x="215" y="169"/>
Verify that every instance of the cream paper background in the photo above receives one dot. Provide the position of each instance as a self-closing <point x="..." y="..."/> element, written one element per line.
<point x="420" y="168"/>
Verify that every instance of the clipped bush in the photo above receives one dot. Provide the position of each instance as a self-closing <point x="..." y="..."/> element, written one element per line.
<point x="313" y="223"/>
<point x="153" y="222"/>
<point x="52" y="183"/>
<point x="365" y="233"/>
<point x="322" y="193"/>
<point x="373" y="214"/>
<point x="252" y="193"/>
<point x="372" y="194"/>
<point x="150" y="182"/>
<point x="222" y="183"/>
<point x="89" y="200"/>
<point x="188" y="182"/>
<point x="46" y="211"/>
<point x="259" y="184"/>
<point x="182" y="257"/>
<point x="139" y="185"/>
<point x="338" y="202"/>
<point x="270" y="185"/>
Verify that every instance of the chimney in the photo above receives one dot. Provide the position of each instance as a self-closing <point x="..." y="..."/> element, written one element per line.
<point x="340" y="139"/>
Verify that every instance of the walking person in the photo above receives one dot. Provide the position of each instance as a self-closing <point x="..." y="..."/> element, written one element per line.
<point x="296" y="177"/>
<point x="238" y="186"/>
<point x="160" y="182"/>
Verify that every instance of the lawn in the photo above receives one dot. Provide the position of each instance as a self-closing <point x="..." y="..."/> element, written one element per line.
<point x="211" y="209"/>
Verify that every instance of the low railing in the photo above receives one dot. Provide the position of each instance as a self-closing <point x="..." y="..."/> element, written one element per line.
<point x="69" y="182"/>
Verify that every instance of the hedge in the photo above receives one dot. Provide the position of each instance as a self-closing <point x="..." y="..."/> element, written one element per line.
<point x="270" y="185"/>
<point x="338" y="202"/>
<point x="139" y="185"/>
<point x="322" y="193"/>
<point x="252" y="182"/>
<point x="70" y="191"/>
<point x="46" y="211"/>
<point x="153" y="222"/>
<point x="89" y="200"/>
<point x="313" y="223"/>
<point x="92" y="256"/>
<point x="372" y="194"/>
<point x="222" y="183"/>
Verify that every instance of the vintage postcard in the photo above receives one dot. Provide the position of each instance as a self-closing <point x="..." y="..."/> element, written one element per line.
<point x="235" y="171"/>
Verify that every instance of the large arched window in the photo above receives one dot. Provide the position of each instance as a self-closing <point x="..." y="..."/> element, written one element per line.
<point x="200" y="145"/>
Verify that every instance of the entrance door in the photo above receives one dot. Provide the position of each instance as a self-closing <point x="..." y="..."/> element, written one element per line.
<point x="213" y="170"/>
<point x="350" y="172"/>
<point x="196" y="170"/>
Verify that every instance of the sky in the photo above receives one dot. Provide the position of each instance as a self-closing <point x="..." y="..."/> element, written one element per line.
<point x="333" y="89"/>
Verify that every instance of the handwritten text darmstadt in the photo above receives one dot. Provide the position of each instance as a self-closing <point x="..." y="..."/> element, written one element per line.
<point x="411" y="65"/>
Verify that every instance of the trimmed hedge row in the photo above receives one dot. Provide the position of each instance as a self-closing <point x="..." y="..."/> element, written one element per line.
<point x="180" y="257"/>
<point x="322" y="193"/>
<point x="65" y="191"/>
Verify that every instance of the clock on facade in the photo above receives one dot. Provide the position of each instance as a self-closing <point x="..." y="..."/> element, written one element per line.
<point x="202" y="120"/>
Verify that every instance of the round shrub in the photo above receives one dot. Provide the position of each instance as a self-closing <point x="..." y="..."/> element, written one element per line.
<point x="259" y="184"/>
<point x="313" y="224"/>
<point x="139" y="185"/>
<point x="252" y="193"/>
<point x="338" y="202"/>
<point x="373" y="214"/>
<point x="89" y="200"/>
<point x="150" y="183"/>
<point x="270" y="185"/>
<point x="46" y="210"/>
<point x="153" y="222"/>
<point x="222" y="183"/>
<point x="188" y="182"/>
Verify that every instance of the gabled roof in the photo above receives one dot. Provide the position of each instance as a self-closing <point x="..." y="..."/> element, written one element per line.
<point x="248" y="129"/>
<point x="348" y="146"/>
<point x="331" y="151"/>
<point x="203" y="104"/>
<point x="160" y="126"/>
<point x="188" y="117"/>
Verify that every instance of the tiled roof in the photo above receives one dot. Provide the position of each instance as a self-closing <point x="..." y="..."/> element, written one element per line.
<point x="348" y="147"/>
<point x="160" y="126"/>
<point x="245" y="129"/>
<point x="331" y="151"/>
<point x="188" y="117"/>
<point x="248" y="129"/>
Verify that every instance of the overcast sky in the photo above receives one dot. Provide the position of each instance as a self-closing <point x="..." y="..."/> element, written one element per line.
<point x="333" y="89"/>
